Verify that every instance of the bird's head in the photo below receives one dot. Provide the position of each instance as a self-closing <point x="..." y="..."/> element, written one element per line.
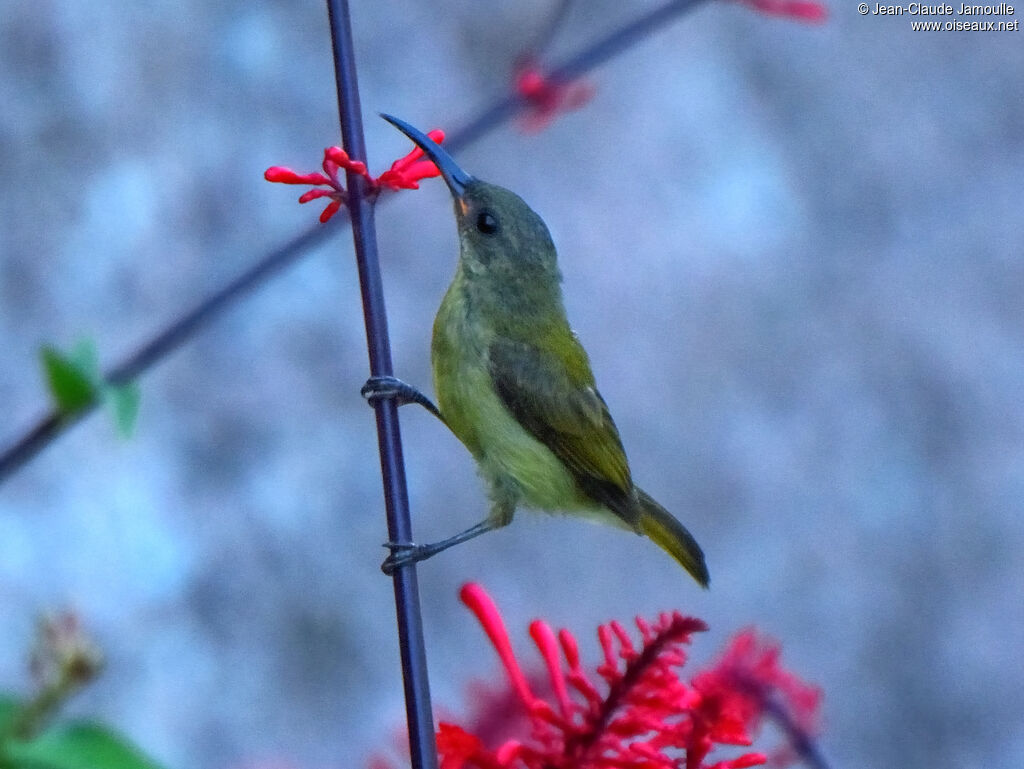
<point x="499" y="234"/>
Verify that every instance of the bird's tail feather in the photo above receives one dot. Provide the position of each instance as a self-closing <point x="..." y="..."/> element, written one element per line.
<point x="669" y="534"/>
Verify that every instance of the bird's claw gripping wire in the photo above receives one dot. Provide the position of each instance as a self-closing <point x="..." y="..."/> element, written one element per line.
<point x="379" y="388"/>
<point x="405" y="553"/>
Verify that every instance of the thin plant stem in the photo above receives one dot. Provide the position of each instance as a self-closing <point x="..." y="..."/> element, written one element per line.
<point x="419" y="717"/>
<point x="53" y="424"/>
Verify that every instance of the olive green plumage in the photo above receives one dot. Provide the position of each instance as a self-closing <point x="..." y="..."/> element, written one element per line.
<point x="514" y="383"/>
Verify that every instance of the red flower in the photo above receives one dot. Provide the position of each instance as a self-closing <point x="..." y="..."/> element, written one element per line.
<point x="546" y="97"/>
<point x="747" y="683"/>
<point x="800" y="10"/>
<point x="637" y="713"/>
<point x="404" y="173"/>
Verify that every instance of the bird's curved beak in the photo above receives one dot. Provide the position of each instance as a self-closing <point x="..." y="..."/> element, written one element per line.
<point x="454" y="177"/>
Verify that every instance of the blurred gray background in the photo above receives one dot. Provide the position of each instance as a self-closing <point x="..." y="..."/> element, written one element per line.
<point x="793" y="252"/>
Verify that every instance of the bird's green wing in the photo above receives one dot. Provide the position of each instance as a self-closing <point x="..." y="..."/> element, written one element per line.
<point x="554" y="398"/>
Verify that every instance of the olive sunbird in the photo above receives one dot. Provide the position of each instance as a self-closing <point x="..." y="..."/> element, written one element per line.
<point x="514" y="383"/>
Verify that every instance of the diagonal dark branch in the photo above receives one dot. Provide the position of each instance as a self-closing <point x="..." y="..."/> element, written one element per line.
<point x="173" y="337"/>
<point x="620" y="40"/>
<point x="51" y="425"/>
<point x="420" y="720"/>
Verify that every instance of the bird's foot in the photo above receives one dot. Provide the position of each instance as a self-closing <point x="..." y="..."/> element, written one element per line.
<point x="405" y="553"/>
<point x="379" y="388"/>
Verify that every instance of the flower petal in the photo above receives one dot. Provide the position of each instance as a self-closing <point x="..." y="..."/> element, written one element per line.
<point x="288" y="176"/>
<point x="331" y="210"/>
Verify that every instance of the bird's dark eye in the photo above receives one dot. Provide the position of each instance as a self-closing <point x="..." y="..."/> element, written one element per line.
<point x="486" y="223"/>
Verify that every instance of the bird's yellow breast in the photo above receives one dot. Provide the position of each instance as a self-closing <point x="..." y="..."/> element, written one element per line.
<point x="467" y="398"/>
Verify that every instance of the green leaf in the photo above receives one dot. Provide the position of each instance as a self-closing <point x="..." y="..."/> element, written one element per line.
<point x="84" y="356"/>
<point x="76" y="383"/>
<point x="70" y="378"/>
<point x="123" y="401"/>
<point x="78" y="746"/>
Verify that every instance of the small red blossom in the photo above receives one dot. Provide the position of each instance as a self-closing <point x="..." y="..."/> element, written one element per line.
<point x="637" y="712"/>
<point x="799" y="10"/>
<point x="546" y="97"/>
<point x="405" y="173"/>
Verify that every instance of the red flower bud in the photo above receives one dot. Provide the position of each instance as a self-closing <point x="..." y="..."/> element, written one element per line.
<point x="404" y="173"/>
<point x="547" y="98"/>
